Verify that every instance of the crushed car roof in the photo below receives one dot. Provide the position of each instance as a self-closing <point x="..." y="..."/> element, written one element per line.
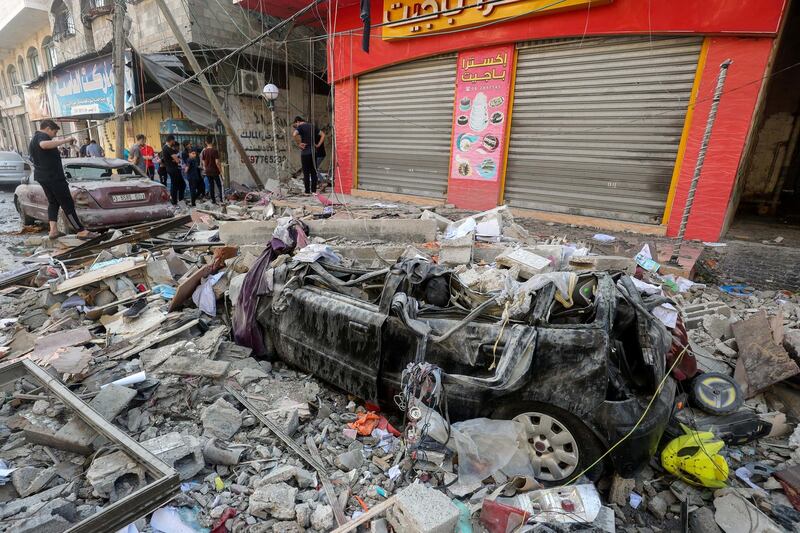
<point x="96" y="162"/>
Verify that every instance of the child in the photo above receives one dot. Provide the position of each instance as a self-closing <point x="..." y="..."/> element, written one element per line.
<point x="193" y="174"/>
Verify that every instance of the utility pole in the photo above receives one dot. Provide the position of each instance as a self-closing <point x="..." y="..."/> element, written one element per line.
<point x="119" y="74"/>
<point x="212" y="97"/>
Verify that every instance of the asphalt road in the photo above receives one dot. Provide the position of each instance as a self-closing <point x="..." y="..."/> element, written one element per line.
<point x="10" y="239"/>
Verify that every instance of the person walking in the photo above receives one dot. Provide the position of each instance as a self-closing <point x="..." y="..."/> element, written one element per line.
<point x="212" y="169"/>
<point x="94" y="150"/>
<point x="172" y="162"/>
<point x="319" y="150"/>
<point x="82" y="150"/>
<point x="49" y="173"/>
<point x="136" y="155"/>
<point x="305" y="136"/>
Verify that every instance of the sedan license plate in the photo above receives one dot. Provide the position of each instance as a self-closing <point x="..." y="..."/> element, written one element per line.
<point x="127" y="197"/>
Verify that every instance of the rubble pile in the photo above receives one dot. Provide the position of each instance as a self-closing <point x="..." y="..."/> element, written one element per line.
<point x="164" y="378"/>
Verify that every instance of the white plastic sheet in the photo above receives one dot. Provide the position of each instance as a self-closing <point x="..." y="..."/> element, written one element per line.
<point x="204" y="297"/>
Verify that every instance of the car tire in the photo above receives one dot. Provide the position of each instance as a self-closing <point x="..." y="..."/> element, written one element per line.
<point x="561" y="446"/>
<point x="25" y="219"/>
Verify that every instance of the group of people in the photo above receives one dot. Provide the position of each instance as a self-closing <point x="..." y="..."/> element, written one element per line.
<point x="189" y="164"/>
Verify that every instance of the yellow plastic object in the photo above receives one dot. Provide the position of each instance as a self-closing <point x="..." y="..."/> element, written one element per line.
<point x="219" y="484"/>
<point x="694" y="457"/>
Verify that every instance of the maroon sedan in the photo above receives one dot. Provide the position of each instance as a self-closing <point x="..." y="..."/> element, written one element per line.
<point x="108" y="193"/>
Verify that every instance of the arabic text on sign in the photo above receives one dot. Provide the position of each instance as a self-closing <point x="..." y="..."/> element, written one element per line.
<point x="410" y="17"/>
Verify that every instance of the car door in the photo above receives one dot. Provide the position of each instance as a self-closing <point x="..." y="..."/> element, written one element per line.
<point x="333" y="336"/>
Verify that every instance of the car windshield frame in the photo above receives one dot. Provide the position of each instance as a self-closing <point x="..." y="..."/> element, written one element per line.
<point x="97" y="172"/>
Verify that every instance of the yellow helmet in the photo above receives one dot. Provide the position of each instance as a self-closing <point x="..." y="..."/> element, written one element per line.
<point x="694" y="458"/>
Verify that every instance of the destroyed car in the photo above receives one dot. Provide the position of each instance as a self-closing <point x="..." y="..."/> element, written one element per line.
<point x="108" y="193"/>
<point x="578" y="372"/>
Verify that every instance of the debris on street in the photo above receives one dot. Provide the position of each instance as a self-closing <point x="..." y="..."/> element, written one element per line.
<point x="259" y="367"/>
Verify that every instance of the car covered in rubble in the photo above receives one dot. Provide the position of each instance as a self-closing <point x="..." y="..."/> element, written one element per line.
<point x="578" y="372"/>
<point x="108" y="193"/>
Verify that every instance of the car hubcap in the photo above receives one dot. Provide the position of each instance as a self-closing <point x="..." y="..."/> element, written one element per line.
<point x="551" y="447"/>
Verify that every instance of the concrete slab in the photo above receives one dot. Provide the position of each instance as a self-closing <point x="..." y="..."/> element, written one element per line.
<point x="108" y="403"/>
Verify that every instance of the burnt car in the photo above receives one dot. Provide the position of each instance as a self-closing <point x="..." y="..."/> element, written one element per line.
<point x="108" y="193"/>
<point x="578" y="373"/>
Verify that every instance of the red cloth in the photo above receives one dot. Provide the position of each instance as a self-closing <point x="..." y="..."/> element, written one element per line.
<point x="147" y="151"/>
<point x="219" y="525"/>
<point x="367" y="422"/>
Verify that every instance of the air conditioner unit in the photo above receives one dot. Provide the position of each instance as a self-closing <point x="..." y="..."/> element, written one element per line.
<point x="250" y="83"/>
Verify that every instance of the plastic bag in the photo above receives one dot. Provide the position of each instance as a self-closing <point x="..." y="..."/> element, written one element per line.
<point x="204" y="297"/>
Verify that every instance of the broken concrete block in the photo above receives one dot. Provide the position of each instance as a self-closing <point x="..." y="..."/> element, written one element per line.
<point x="275" y="500"/>
<point x="194" y="366"/>
<point x="693" y="314"/>
<point x="621" y="489"/>
<point x="658" y="506"/>
<point x="351" y="460"/>
<point x="303" y="515"/>
<point x="322" y="518"/>
<point x="158" y="272"/>
<point x="278" y="474"/>
<point x="420" y="509"/>
<point x="23" y="478"/>
<point x="734" y="514"/>
<point x="603" y="262"/>
<point x="762" y="362"/>
<point x="791" y="343"/>
<point x="115" y="475"/>
<point x="702" y="521"/>
<point x="441" y="222"/>
<point x="181" y="452"/>
<point x="221" y="419"/>
<point x="247" y="375"/>
<point x="219" y="455"/>
<point x="108" y="403"/>
<point x="718" y="326"/>
<point x="457" y="251"/>
<point x="43" y="523"/>
<point x="529" y="263"/>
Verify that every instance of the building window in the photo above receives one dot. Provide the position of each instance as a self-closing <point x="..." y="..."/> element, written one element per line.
<point x="63" y="23"/>
<point x="21" y="69"/>
<point x="33" y="62"/>
<point x="49" y="49"/>
<point x="14" y="80"/>
<point x="3" y="85"/>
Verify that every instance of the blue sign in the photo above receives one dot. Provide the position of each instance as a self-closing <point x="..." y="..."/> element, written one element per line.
<point x="87" y="89"/>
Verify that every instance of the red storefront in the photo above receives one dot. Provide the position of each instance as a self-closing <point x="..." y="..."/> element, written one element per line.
<point x="577" y="107"/>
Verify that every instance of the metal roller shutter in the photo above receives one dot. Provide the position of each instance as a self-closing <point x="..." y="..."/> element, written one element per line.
<point x="596" y="125"/>
<point x="405" y="116"/>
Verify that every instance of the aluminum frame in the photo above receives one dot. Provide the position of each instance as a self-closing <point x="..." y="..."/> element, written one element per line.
<point x="126" y="510"/>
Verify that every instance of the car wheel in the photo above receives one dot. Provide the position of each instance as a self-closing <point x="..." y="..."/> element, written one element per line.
<point x="26" y="220"/>
<point x="716" y="394"/>
<point x="560" y="446"/>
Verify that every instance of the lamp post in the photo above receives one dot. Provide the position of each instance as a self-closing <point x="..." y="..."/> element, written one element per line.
<point x="270" y="93"/>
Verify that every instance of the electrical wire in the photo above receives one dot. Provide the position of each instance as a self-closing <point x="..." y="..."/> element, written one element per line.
<point x="667" y="376"/>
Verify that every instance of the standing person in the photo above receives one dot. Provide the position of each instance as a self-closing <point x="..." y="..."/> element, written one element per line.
<point x="84" y="146"/>
<point x="161" y="169"/>
<point x="319" y="149"/>
<point x="148" y="154"/>
<point x="49" y="172"/>
<point x="172" y="162"/>
<point x="136" y="155"/>
<point x="305" y="137"/>
<point x="194" y="177"/>
<point x="212" y="168"/>
<point x="94" y="150"/>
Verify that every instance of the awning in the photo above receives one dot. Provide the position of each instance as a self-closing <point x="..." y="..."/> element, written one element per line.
<point x="189" y="97"/>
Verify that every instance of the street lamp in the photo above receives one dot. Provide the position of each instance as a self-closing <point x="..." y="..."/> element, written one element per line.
<point x="270" y="94"/>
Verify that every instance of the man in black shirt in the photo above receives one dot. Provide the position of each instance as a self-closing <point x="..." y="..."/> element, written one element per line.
<point x="171" y="160"/>
<point x="309" y="139"/>
<point x="48" y="171"/>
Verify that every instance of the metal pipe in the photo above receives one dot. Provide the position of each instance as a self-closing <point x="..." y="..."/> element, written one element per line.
<point x="701" y="157"/>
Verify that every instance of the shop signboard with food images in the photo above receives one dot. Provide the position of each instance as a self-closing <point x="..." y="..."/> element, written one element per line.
<point x="483" y="87"/>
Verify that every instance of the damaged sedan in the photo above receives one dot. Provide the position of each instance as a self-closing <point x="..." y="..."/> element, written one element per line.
<point x="576" y="358"/>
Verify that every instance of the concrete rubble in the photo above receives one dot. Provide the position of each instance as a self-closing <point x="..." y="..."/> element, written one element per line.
<point x="149" y="347"/>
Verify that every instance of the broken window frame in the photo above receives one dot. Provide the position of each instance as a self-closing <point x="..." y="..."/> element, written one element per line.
<point x="127" y="510"/>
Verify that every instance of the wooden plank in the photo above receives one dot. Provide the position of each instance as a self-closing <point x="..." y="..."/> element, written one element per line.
<point x="100" y="274"/>
<point x="366" y="517"/>
<point x="762" y="362"/>
<point x="44" y="347"/>
<point x="194" y="366"/>
<point x="187" y="286"/>
<point x="130" y="352"/>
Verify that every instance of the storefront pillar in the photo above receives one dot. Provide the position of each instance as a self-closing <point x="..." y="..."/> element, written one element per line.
<point x="750" y="58"/>
<point x="345" y="113"/>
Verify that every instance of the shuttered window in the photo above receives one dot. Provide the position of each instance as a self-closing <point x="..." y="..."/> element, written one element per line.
<point x="405" y="116"/>
<point x="596" y="124"/>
